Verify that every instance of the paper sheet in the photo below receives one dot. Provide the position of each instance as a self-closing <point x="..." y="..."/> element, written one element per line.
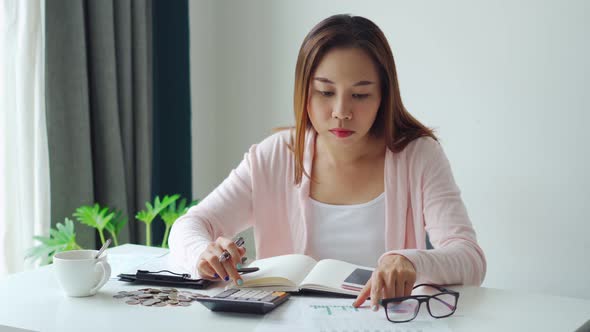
<point x="338" y="315"/>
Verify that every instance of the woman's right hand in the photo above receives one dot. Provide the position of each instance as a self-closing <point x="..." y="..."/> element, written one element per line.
<point x="209" y="266"/>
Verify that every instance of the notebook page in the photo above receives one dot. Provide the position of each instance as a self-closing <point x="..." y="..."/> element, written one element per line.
<point x="285" y="270"/>
<point x="328" y="275"/>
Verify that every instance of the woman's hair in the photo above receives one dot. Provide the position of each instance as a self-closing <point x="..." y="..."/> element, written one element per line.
<point x="393" y="122"/>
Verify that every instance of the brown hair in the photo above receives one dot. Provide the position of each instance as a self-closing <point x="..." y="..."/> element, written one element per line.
<point x="393" y="121"/>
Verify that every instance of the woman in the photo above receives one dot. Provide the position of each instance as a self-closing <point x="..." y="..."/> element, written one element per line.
<point x="358" y="179"/>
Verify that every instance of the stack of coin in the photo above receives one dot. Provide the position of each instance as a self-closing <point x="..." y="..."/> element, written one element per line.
<point x="154" y="297"/>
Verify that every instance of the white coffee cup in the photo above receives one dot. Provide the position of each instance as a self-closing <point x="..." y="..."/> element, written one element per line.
<point x="79" y="273"/>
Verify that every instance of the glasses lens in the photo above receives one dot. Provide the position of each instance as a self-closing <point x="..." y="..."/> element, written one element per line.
<point x="402" y="311"/>
<point x="442" y="305"/>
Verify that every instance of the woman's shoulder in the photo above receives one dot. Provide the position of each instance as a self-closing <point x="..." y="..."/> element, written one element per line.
<point x="422" y="150"/>
<point x="424" y="144"/>
<point x="277" y="142"/>
<point x="272" y="150"/>
<point x="271" y="160"/>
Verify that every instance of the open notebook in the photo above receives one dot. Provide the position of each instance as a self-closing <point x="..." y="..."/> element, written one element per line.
<point x="294" y="273"/>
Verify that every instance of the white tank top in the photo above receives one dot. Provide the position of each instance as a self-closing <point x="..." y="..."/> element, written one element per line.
<point x="351" y="233"/>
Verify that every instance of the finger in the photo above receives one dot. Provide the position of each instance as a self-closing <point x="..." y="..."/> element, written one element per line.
<point x="376" y="289"/>
<point x="389" y="288"/>
<point x="360" y="299"/>
<point x="232" y="273"/>
<point x="213" y="260"/>
<point x="229" y="265"/>
<point x="205" y="270"/>
<point x="399" y="287"/>
<point x="233" y="251"/>
<point x="220" y="271"/>
<point x="242" y="251"/>
<point x="408" y="288"/>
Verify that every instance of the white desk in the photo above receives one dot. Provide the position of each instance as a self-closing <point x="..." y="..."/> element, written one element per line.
<point x="33" y="300"/>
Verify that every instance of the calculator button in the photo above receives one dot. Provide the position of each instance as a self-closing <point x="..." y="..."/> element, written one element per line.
<point x="241" y="295"/>
<point x="269" y="298"/>
<point x="245" y="295"/>
<point x="248" y="293"/>
<point x="226" y="293"/>
<point x="245" y="301"/>
<point x="258" y="295"/>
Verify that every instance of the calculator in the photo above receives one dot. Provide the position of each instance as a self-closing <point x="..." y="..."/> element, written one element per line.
<point x="245" y="300"/>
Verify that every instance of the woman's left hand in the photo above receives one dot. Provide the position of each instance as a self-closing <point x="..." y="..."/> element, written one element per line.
<point x="394" y="277"/>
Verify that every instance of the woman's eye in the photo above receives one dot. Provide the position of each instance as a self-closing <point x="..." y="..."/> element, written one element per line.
<point x="326" y="93"/>
<point x="354" y="95"/>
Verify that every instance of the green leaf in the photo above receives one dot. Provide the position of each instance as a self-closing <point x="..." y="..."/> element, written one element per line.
<point x="94" y="216"/>
<point x="152" y="211"/>
<point x="143" y="216"/>
<point x="61" y="239"/>
<point x="84" y="215"/>
<point x="117" y="223"/>
<point x="45" y="240"/>
<point x="173" y="212"/>
<point x="44" y="254"/>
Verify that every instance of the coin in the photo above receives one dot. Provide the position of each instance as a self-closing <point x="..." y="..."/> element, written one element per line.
<point x="155" y="297"/>
<point x="150" y="302"/>
<point x="196" y="296"/>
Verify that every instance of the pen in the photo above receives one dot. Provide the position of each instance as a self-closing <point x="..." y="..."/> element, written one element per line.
<point x="225" y="255"/>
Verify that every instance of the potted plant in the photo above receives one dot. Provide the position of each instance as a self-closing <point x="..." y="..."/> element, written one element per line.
<point x="172" y="213"/>
<point x="60" y="239"/>
<point x="102" y="218"/>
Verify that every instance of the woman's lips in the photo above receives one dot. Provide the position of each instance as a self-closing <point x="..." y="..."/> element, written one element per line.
<point x="341" y="132"/>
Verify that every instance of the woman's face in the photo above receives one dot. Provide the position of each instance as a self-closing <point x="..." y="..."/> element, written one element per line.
<point x="344" y="96"/>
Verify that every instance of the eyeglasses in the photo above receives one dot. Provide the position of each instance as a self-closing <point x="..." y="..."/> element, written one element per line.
<point x="405" y="309"/>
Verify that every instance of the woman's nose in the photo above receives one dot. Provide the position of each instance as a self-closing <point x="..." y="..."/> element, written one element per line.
<point x="342" y="110"/>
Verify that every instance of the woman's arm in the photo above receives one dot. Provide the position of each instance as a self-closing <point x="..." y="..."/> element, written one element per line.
<point x="456" y="257"/>
<point x="226" y="211"/>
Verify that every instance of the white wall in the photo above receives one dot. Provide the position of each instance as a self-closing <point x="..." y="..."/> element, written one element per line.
<point x="504" y="82"/>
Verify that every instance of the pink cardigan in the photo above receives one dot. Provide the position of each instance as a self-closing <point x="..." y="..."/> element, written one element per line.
<point x="420" y="192"/>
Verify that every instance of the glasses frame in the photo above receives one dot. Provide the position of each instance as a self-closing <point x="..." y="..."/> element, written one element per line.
<point x="421" y="299"/>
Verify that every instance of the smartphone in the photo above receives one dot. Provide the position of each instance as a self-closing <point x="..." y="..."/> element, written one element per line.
<point x="357" y="279"/>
